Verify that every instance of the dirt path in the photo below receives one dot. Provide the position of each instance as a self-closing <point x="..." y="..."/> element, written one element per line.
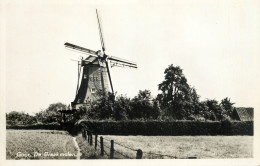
<point x="78" y="149"/>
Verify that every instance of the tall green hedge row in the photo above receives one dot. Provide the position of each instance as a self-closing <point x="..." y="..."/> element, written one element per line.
<point x="172" y="128"/>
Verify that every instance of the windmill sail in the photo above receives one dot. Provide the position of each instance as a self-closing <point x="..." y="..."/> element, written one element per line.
<point x="100" y="33"/>
<point x="104" y="56"/>
<point x="81" y="49"/>
<point x="122" y="62"/>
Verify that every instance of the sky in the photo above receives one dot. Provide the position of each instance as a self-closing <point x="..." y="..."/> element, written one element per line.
<point x="216" y="43"/>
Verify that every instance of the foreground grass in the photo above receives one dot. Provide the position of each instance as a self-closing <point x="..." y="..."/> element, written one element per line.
<point x="201" y="147"/>
<point x="87" y="151"/>
<point x="39" y="144"/>
<point x="188" y="146"/>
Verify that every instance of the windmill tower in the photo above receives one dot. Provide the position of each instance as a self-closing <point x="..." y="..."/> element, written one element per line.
<point x="95" y="72"/>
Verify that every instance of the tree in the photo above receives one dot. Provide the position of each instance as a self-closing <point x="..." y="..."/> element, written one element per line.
<point x="178" y="99"/>
<point x="215" y="111"/>
<point x="227" y="105"/>
<point x="141" y="105"/>
<point x="122" y="108"/>
<point x="107" y="106"/>
<point x="202" y="110"/>
<point x="51" y="114"/>
<point x="19" y="118"/>
<point x="102" y="108"/>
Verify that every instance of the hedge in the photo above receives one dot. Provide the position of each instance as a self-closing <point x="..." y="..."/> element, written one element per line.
<point x="243" y="128"/>
<point x="172" y="128"/>
<point x="48" y="126"/>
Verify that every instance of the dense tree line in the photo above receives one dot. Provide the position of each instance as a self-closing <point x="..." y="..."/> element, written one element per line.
<point x="19" y="118"/>
<point x="49" y="115"/>
<point x="177" y="100"/>
<point x="142" y="106"/>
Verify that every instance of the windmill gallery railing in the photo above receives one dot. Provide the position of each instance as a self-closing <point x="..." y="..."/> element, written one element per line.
<point x="102" y="143"/>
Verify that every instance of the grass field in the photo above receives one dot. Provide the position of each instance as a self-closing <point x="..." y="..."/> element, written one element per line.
<point x="202" y="147"/>
<point x="87" y="151"/>
<point x="39" y="144"/>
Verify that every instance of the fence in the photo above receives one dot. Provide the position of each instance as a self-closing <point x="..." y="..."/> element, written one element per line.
<point x="113" y="153"/>
<point x="104" y="144"/>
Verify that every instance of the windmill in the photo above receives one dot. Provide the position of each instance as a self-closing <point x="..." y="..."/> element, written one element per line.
<point x="95" y="71"/>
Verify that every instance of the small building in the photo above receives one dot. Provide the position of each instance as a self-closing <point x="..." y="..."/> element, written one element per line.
<point x="243" y="113"/>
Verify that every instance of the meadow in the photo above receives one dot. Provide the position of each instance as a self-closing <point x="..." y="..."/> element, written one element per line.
<point x="180" y="147"/>
<point x="39" y="144"/>
<point x="53" y="144"/>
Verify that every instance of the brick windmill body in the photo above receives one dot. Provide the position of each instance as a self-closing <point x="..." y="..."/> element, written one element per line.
<point x="95" y="73"/>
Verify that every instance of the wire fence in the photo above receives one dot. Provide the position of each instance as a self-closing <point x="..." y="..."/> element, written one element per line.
<point x="105" y="145"/>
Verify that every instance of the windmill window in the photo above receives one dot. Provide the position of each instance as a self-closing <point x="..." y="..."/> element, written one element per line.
<point x="93" y="90"/>
<point x="93" y="78"/>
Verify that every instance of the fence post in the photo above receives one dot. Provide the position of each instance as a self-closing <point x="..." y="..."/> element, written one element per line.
<point x="95" y="141"/>
<point x="112" y="149"/>
<point x="139" y="154"/>
<point x="88" y="135"/>
<point x="101" y="146"/>
<point x="91" y="142"/>
<point x="84" y="134"/>
<point x="192" y="157"/>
